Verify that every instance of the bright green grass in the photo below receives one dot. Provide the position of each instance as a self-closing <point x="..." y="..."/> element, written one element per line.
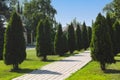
<point x="92" y="72"/>
<point x="31" y="63"/>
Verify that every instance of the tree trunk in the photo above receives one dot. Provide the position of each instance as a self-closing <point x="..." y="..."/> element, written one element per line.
<point x="44" y="58"/>
<point x="103" y="67"/>
<point x="15" y="67"/>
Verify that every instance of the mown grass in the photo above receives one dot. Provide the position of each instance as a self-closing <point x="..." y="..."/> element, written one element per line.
<point x="31" y="63"/>
<point x="92" y="71"/>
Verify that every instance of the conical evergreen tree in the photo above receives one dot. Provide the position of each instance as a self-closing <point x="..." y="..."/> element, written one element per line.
<point x="116" y="43"/>
<point x="78" y="38"/>
<point x="58" y="44"/>
<point x="2" y="30"/>
<point x="89" y="35"/>
<point x="110" y="22"/>
<point x="44" y="44"/>
<point x="85" y="36"/>
<point x="15" y="47"/>
<point x="65" y="43"/>
<point x="71" y="38"/>
<point x="101" y="47"/>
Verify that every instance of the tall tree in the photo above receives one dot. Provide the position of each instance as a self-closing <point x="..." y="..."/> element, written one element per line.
<point x="78" y="38"/>
<point x="110" y="21"/>
<point x="4" y="9"/>
<point x="113" y="8"/>
<point x="41" y="9"/>
<point x="101" y="47"/>
<point x="65" y="43"/>
<point x="116" y="43"/>
<point x="89" y="30"/>
<point x="71" y="38"/>
<point x="85" y="36"/>
<point x="44" y="44"/>
<point x="2" y="29"/>
<point x="58" y="42"/>
<point x="15" y="47"/>
<point x="18" y="7"/>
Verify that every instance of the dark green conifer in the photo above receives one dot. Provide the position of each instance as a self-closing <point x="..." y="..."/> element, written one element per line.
<point x="58" y="42"/>
<point x="15" y="47"/>
<point x="101" y="46"/>
<point x="71" y="39"/>
<point x="78" y="38"/>
<point x="44" y="44"/>
<point x="85" y="36"/>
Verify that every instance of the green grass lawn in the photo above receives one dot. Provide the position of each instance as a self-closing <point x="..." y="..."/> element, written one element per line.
<point x="31" y="63"/>
<point x="92" y="72"/>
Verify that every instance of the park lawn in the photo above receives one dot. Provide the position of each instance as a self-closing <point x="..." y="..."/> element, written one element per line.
<point x="31" y="63"/>
<point x="92" y="71"/>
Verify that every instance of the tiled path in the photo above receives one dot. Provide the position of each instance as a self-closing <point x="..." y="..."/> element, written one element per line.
<point x="59" y="70"/>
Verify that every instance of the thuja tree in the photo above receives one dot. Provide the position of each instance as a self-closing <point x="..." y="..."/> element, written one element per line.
<point x="78" y="38"/>
<point x="71" y="39"/>
<point x="84" y="36"/>
<point x="101" y="47"/>
<point x="15" y="47"/>
<point x="58" y="42"/>
<point x="116" y="43"/>
<point x="89" y="30"/>
<point x="65" y="43"/>
<point x="44" y="44"/>
<point x="2" y="29"/>
<point x="110" y="21"/>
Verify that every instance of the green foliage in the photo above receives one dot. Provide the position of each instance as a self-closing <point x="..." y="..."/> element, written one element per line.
<point x="110" y="21"/>
<point x="113" y="8"/>
<point x="36" y="10"/>
<point x="58" y="45"/>
<point x="89" y="35"/>
<point x="101" y="45"/>
<point x="78" y="38"/>
<point x="65" y="43"/>
<point x="14" y="48"/>
<point x="60" y="42"/>
<point x="2" y="30"/>
<point x="71" y="39"/>
<point x="85" y="36"/>
<point x="44" y="44"/>
<point x="116" y="4"/>
<point x="116" y="43"/>
<point x="1" y="41"/>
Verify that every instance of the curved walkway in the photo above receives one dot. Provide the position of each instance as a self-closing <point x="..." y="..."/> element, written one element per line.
<point x="59" y="70"/>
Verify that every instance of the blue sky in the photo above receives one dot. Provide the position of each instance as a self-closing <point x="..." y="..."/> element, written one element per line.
<point x="82" y="10"/>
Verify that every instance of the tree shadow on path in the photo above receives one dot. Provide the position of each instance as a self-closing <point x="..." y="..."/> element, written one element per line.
<point x="45" y="72"/>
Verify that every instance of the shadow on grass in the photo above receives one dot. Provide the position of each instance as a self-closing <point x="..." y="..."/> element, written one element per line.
<point x="31" y="60"/>
<point x="117" y="60"/>
<point x="67" y="55"/>
<point x="50" y="60"/>
<point x="112" y="71"/>
<point x="24" y="70"/>
<point x="118" y="55"/>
